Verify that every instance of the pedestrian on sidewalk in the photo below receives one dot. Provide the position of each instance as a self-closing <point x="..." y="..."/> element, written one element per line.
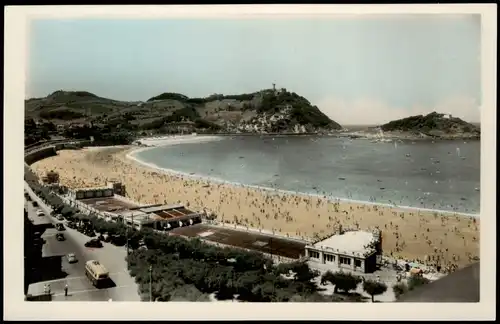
<point x="48" y="288"/>
<point x="66" y="290"/>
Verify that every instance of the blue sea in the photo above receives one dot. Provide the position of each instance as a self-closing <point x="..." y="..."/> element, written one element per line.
<point x="441" y="175"/>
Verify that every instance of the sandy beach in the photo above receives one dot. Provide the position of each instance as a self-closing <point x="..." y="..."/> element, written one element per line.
<point x="426" y="236"/>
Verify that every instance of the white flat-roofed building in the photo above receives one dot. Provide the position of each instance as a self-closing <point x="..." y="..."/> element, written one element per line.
<point x="136" y="217"/>
<point x="354" y="250"/>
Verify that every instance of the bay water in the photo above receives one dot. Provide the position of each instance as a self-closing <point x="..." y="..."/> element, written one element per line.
<point x="439" y="175"/>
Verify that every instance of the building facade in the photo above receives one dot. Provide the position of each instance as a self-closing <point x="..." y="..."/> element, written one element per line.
<point x="353" y="250"/>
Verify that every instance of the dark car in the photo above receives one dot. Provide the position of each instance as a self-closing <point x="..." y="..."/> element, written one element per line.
<point x="118" y="240"/>
<point x="35" y="204"/>
<point x="94" y="243"/>
<point x="60" y="227"/>
<point x="71" y="225"/>
<point x="60" y="237"/>
<point x="89" y="232"/>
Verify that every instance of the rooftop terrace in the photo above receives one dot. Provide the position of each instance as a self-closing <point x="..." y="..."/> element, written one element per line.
<point x="351" y="242"/>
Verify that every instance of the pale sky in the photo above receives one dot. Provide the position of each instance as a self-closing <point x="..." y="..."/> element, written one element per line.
<point x="356" y="70"/>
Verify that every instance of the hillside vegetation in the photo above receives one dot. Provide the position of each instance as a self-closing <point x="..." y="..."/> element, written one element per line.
<point x="265" y="111"/>
<point x="433" y="124"/>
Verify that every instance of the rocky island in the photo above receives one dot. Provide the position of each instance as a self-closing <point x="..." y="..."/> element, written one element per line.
<point x="431" y="126"/>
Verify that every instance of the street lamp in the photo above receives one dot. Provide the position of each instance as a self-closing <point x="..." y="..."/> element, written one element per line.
<point x="150" y="283"/>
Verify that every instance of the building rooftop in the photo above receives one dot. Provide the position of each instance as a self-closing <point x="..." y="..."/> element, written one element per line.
<point x="154" y="209"/>
<point x="350" y="243"/>
<point x="132" y="213"/>
<point x="91" y="188"/>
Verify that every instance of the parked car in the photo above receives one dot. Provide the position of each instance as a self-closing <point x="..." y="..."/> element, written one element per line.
<point x="71" y="258"/>
<point x="60" y="217"/>
<point x="71" y="225"/>
<point x="40" y="213"/>
<point x="118" y="240"/>
<point x="93" y="243"/>
<point x="60" y="227"/>
<point x="35" y="204"/>
<point x="60" y="237"/>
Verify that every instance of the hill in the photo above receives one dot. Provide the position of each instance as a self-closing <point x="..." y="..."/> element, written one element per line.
<point x="265" y="111"/>
<point x="433" y="125"/>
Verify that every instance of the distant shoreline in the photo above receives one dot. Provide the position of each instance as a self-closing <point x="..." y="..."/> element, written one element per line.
<point x="351" y="135"/>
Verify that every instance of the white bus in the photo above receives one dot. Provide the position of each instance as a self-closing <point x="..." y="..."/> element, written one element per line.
<point x="96" y="273"/>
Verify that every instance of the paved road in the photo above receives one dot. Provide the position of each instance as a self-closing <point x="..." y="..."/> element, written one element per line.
<point x="80" y="288"/>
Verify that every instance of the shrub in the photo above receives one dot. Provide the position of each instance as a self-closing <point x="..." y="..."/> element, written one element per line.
<point x="416" y="281"/>
<point x="399" y="289"/>
<point x="374" y="288"/>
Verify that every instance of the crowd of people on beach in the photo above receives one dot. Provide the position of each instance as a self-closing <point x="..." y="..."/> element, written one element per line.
<point x="427" y="237"/>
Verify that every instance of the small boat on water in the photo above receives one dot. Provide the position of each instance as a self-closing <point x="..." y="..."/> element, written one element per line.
<point x="408" y="155"/>
<point x="477" y="189"/>
<point x="341" y="178"/>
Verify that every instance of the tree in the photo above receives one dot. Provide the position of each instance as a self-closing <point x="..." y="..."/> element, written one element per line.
<point x="346" y="281"/>
<point x="374" y="288"/>
<point x="328" y="277"/>
<point x="245" y="283"/>
<point x="399" y="289"/>
<point x="416" y="280"/>
<point x="67" y="212"/>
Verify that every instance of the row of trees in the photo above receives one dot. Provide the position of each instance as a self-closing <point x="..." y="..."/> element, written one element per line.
<point x="34" y="133"/>
<point x="346" y="282"/>
<point x="61" y="114"/>
<point x="412" y="283"/>
<point x="185" y="99"/>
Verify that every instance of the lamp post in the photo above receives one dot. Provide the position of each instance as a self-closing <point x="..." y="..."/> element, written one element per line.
<point x="126" y="234"/>
<point x="126" y="238"/>
<point x="150" y="283"/>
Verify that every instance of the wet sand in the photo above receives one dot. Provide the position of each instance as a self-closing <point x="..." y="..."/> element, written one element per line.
<point x="425" y="236"/>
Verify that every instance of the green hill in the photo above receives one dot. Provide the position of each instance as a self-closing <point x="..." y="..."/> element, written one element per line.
<point x="433" y="124"/>
<point x="265" y="111"/>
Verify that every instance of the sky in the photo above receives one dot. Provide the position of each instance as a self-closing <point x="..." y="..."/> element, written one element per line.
<point x="357" y="70"/>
